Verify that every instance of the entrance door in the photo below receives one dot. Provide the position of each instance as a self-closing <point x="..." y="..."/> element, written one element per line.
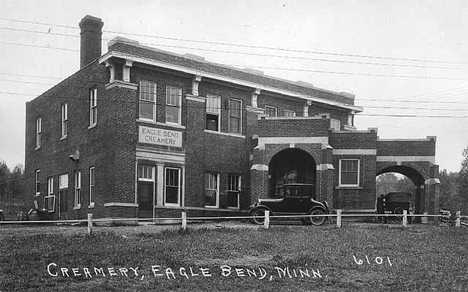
<point x="145" y="199"/>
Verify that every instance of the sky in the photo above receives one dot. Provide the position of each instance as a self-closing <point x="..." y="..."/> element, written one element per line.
<point x="405" y="61"/>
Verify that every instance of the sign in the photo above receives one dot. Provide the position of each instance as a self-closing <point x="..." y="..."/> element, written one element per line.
<point x="157" y="136"/>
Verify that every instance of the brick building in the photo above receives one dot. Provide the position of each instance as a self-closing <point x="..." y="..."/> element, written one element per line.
<point x="140" y="132"/>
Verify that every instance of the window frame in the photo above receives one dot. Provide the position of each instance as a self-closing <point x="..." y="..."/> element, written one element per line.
<point x="179" y="185"/>
<point x="61" y="188"/>
<point x="46" y="206"/>
<point x="358" y="178"/>
<point x="93" y="107"/>
<point x="50" y="185"/>
<point x="152" y="91"/>
<point x="215" y="112"/>
<point x="289" y="113"/>
<point x="237" y="178"/>
<point x="38" y="136"/>
<point x="179" y="106"/>
<point x="230" y="116"/>
<point x="268" y="107"/>
<point x="37" y="182"/>
<point x="92" y="186"/>
<point x="77" y="191"/>
<point x="334" y="123"/>
<point x="64" y="125"/>
<point x="207" y="174"/>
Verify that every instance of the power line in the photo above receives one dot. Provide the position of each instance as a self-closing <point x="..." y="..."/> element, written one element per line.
<point x="411" y="116"/>
<point x="249" y="53"/>
<point x="248" y="46"/>
<point x="37" y="46"/>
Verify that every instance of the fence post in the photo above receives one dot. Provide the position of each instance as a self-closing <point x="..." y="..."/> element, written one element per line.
<point x="405" y="218"/>
<point x="458" y="219"/>
<point x="90" y="223"/>
<point x="338" y="218"/>
<point x="184" y="220"/>
<point x="266" y="223"/>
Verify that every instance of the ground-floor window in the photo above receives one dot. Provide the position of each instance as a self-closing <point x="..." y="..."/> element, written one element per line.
<point x="49" y="203"/>
<point x="63" y="193"/>
<point x="172" y="186"/>
<point x="349" y="172"/>
<point x="77" y="200"/>
<point x="233" y="191"/>
<point x="145" y="190"/>
<point x="212" y="190"/>
<point x="92" y="182"/>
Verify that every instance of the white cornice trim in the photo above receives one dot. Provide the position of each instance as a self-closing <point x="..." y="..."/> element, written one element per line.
<point x="226" y="79"/>
<point x="259" y="167"/>
<point x="326" y="166"/>
<point x="291" y="140"/>
<point x="115" y="204"/>
<point x="399" y="159"/>
<point x="160" y="156"/>
<point x="354" y="152"/>
<point x="195" y="98"/>
<point x="118" y="83"/>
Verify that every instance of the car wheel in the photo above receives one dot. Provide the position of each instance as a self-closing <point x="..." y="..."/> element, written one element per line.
<point x="316" y="220"/>
<point x="258" y="216"/>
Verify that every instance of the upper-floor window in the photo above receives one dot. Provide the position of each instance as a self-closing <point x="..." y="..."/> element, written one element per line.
<point x="147" y="104"/>
<point x="289" y="113"/>
<point x="349" y="172"/>
<point x="64" y="120"/>
<point x="212" y="189"/>
<point x="38" y="182"/>
<point x="235" y="116"/>
<point x="173" y="104"/>
<point x="172" y="192"/>
<point x="213" y="112"/>
<point x="335" y="124"/>
<point x="92" y="107"/>
<point x="38" y="133"/>
<point x="271" y="111"/>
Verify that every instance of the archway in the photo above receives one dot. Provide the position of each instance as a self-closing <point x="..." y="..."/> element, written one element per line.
<point x="417" y="179"/>
<point x="291" y="166"/>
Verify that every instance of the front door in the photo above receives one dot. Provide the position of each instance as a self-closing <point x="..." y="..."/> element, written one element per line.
<point x="145" y="199"/>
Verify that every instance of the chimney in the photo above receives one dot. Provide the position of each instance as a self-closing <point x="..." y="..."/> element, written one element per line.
<point x="91" y="36"/>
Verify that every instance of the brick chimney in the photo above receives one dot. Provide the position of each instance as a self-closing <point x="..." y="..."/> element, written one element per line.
<point x="91" y="36"/>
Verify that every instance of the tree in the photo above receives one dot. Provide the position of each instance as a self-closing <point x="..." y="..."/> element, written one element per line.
<point x="449" y="195"/>
<point x="4" y="181"/>
<point x="17" y="183"/>
<point x="463" y="179"/>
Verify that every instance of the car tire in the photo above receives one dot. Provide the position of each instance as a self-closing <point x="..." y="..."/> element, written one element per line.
<point x="258" y="216"/>
<point x="316" y="221"/>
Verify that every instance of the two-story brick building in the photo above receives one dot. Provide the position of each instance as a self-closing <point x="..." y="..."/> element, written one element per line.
<point x="141" y="132"/>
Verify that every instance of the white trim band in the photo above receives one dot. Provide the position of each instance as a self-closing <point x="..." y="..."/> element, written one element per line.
<point x="291" y="140"/>
<point x="259" y="167"/>
<point x="399" y="159"/>
<point x="115" y="204"/>
<point x="354" y="151"/>
<point x="325" y="166"/>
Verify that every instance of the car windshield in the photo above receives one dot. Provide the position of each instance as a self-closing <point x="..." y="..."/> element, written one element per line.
<point x="294" y="191"/>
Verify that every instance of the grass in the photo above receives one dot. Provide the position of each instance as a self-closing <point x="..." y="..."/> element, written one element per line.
<point x="423" y="258"/>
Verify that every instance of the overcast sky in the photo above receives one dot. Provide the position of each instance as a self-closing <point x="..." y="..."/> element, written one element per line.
<point x="400" y="58"/>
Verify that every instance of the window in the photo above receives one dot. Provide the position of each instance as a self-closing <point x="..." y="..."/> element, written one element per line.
<point x="233" y="191"/>
<point x="349" y="172"/>
<point x="172" y="186"/>
<point x="147" y="105"/>
<point x="50" y="186"/>
<point x="63" y="193"/>
<point x="64" y="120"/>
<point x="92" y="107"/>
<point x="38" y="132"/>
<point x="212" y="190"/>
<point x="235" y="116"/>
<point x="335" y="124"/>
<point x="38" y="183"/>
<point x="173" y="101"/>
<point x="271" y="111"/>
<point x="92" y="183"/>
<point x="145" y="172"/>
<point x="49" y="203"/>
<point x="213" y="112"/>
<point x="289" y="113"/>
<point x="77" y="199"/>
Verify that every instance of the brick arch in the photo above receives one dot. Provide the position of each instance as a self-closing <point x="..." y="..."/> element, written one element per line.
<point x="280" y="147"/>
<point x="411" y="170"/>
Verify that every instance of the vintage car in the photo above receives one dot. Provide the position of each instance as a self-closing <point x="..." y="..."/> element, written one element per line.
<point x="396" y="202"/>
<point x="291" y="199"/>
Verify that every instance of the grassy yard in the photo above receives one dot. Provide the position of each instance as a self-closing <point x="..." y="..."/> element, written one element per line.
<point x="283" y="258"/>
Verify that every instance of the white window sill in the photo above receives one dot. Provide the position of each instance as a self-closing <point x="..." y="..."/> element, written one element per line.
<point x="177" y="126"/>
<point x="77" y="207"/>
<point x="92" y="126"/>
<point x="212" y="207"/>
<point x="37" y="148"/>
<point x="348" y="187"/>
<point x="91" y="206"/>
<point x="37" y="195"/>
<point x="171" y="205"/>
<point x="225" y="134"/>
<point x="63" y="138"/>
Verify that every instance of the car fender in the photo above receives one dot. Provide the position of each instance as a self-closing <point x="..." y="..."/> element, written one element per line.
<point x="320" y="208"/>
<point x="261" y="207"/>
